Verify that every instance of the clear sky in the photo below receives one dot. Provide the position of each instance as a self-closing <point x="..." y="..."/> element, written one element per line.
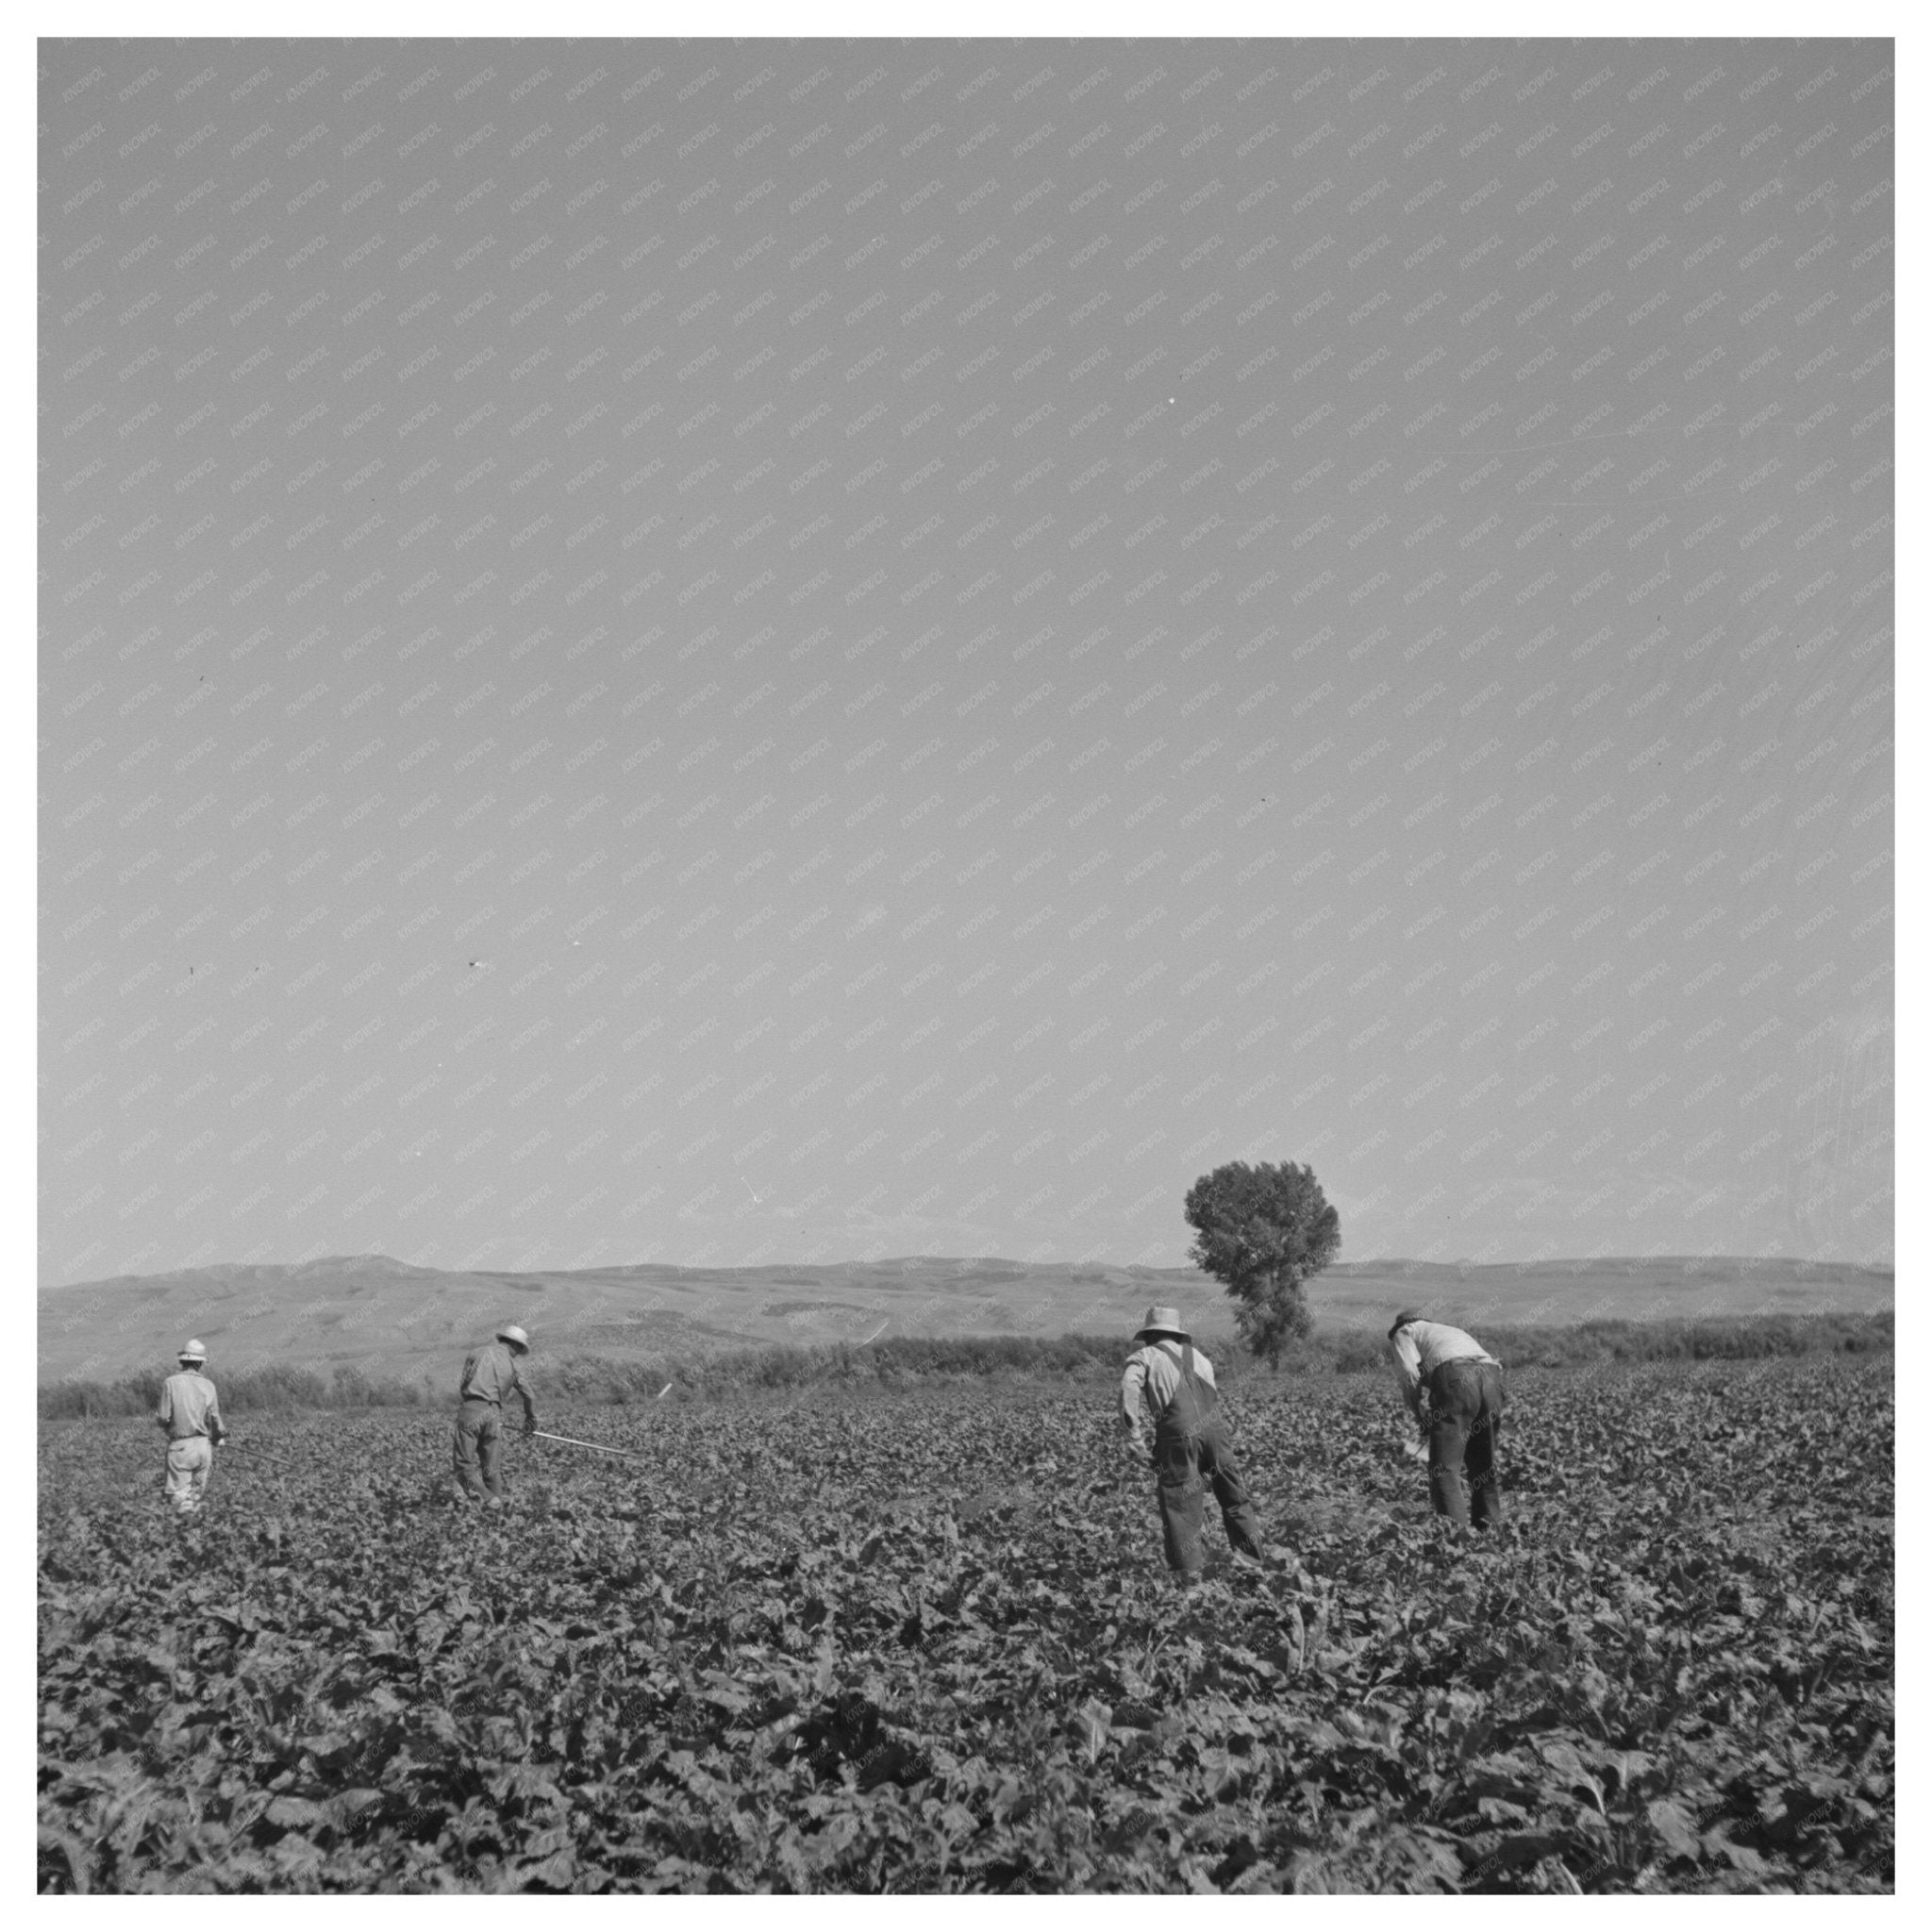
<point x="708" y="652"/>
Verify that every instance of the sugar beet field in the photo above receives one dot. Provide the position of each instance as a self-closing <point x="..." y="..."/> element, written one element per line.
<point x="923" y="1642"/>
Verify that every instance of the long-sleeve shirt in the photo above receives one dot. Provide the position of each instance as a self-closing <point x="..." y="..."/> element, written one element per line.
<point x="188" y="1407"/>
<point x="1418" y="1350"/>
<point x="491" y="1374"/>
<point x="1152" y="1376"/>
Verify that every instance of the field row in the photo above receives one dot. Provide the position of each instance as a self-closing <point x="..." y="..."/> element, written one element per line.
<point x="924" y="1644"/>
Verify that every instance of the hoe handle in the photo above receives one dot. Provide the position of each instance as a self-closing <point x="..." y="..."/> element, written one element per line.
<point x="602" y="1448"/>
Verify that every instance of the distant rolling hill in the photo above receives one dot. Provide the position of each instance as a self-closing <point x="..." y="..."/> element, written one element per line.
<point x="388" y="1318"/>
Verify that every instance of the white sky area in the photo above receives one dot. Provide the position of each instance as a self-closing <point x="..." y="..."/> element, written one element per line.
<point x="721" y="652"/>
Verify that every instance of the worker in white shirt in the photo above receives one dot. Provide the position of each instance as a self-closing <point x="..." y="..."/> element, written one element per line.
<point x="490" y="1379"/>
<point x="1169" y="1404"/>
<point x="190" y="1415"/>
<point x="1464" y="1384"/>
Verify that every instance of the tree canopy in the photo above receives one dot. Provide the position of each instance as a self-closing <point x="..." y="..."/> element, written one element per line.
<point x="1262" y="1231"/>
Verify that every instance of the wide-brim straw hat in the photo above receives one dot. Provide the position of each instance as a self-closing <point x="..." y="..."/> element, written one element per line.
<point x="1162" y="1321"/>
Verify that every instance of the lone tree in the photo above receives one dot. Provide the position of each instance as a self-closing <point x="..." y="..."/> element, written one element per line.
<point x="1262" y="1231"/>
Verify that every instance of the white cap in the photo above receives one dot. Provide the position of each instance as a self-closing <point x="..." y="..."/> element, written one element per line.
<point x="509" y="1332"/>
<point x="191" y="1352"/>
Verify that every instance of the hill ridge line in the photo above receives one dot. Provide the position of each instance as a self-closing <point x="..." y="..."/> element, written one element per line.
<point x="1381" y="1265"/>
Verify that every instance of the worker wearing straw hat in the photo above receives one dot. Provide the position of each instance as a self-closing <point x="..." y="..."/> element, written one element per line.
<point x="191" y="1415"/>
<point x="1168" y="1402"/>
<point x="490" y="1378"/>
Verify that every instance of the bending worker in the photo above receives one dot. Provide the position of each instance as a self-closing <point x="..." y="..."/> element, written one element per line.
<point x="1168" y="1402"/>
<point x="191" y="1415"/>
<point x="489" y="1376"/>
<point x="1465" y="1417"/>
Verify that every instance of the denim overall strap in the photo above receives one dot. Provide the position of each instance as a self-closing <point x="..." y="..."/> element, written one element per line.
<point x="1194" y="1401"/>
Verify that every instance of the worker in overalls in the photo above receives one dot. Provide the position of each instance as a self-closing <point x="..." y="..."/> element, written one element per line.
<point x="1169" y="1404"/>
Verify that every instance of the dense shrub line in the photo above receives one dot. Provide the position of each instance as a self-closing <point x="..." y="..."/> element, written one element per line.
<point x="911" y="1359"/>
<point x="268" y="1387"/>
<point x="888" y="1363"/>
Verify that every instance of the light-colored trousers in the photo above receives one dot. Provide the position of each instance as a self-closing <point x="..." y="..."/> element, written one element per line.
<point x="189" y="1462"/>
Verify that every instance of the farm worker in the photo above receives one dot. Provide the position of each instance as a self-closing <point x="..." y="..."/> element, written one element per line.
<point x="489" y="1376"/>
<point x="1169" y="1404"/>
<point x="1465" y="1414"/>
<point x="190" y="1416"/>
